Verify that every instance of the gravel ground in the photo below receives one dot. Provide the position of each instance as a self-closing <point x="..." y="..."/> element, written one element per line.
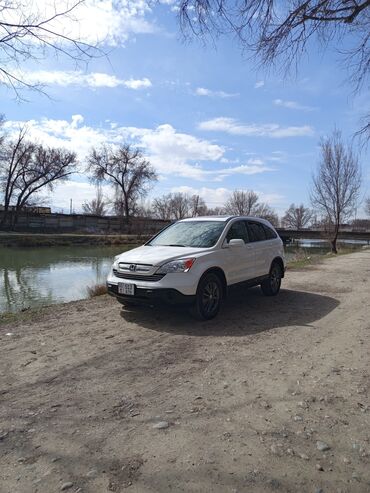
<point x="272" y="396"/>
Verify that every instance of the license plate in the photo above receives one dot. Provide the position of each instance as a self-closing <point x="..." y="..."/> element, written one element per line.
<point x="125" y="288"/>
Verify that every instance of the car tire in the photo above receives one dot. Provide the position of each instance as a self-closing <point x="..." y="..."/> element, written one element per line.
<point x="208" y="299"/>
<point x="271" y="285"/>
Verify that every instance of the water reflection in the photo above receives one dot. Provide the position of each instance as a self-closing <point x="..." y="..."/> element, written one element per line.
<point x="42" y="276"/>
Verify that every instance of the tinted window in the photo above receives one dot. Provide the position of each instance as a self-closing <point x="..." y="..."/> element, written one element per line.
<point x="256" y="231"/>
<point x="270" y="234"/>
<point x="237" y="231"/>
<point x="197" y="234"/>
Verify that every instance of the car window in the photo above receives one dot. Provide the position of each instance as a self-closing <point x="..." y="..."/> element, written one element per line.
<point x="237" y="231"/>
<point x="256" y="231"/>
<point x="270" y="234"/>
<point x="197" y="234"/>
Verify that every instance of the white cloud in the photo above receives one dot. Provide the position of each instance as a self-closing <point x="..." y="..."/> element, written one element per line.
<point x="274" y="130"/>
<point x="293" y="105"/>
<point x="245" y="169"/>
<point x="93" y="79"/>
<point x="168" y="150"/>
<point x="255" y="161"/>
<point x="278" y="156"/>
<point x="74" y="134"/>
<point x="214" y="197"/>
<point x="171" y="152"/>
<point x="137" y="83"/>
<point x="104" y="22"/>
<point x="202" y="91"/>
<point x="79" y="192"/>
<point x="273" y="199"/>
<point x="259" y="84"/>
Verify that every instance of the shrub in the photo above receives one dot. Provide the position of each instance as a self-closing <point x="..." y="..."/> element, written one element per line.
<point x="96" y="290"/>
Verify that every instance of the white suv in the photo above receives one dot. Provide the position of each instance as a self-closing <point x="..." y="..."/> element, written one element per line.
<point x="195" y="260"/>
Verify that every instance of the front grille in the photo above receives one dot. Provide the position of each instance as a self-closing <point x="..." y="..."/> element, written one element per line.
<point x="138" y="277"/>
<point x="124" y="266"/>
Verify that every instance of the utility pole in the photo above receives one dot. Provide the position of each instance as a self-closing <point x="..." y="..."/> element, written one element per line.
<point x="70" y="206"/>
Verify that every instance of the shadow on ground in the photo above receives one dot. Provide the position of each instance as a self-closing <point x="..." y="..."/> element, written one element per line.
<point x="246" y="311"/>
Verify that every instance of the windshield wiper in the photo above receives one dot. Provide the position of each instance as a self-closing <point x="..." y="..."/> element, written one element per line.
<point x="176" y="245"/>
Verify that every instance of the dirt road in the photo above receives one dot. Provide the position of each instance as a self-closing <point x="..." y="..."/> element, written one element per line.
<point x="273" y="396"/>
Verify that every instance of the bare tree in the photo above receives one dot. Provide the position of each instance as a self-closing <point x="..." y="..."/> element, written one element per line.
<point x="297" y="217"/>
<point x="336" y="184"/>
<point x="125" y="168"/>
<point x="30" y="31"/>
<point x="367" y="206"/>
<point x="162" y="207"/>
<point x="241" y="202"/>
<point x="180" y="205"/>
<point x="135" y="204"/>
<point x="246" y="203"/>
<point x="144" y="209"/>
<point x="197" y="206"/>
<point x="215" y="211"/>
<point x="265" y="211"/>
<point x="360" y="225"/>
<point x="97" y="206"/>
<point x="279" y="32"/>
<point x="27" y="169"/>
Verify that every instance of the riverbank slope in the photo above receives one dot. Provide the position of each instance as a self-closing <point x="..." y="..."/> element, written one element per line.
<point x="271" y="396"/>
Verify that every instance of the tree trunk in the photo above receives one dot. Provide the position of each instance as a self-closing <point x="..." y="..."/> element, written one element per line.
<point x="14" y="218"/>
<point x="5" y="214"/>
<point x="334" y="245"/>
<point x="4" y="218"/>
<point x="334" y="240"/>
<point x="127" y="210"/>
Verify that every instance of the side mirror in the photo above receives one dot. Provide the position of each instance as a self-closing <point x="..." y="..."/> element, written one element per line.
<point x="236" y="243"/>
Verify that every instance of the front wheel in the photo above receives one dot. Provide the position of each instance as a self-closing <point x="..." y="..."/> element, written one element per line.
<point x="208" y="298"/>
<point x="271" y="285"/>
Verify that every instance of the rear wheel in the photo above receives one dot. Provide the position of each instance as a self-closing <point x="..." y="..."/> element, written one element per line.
<point x="208" y="298"/>
<point x="271" y="285"/>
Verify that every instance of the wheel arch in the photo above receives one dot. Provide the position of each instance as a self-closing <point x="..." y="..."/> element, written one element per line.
<point x="279" y="260"/>
<point x="220" y="273"/>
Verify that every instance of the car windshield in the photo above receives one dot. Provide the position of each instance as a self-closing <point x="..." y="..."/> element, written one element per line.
<point x="197" y="234"/>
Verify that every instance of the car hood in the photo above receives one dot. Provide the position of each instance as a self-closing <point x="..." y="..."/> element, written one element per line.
<point x="158" y="255"/>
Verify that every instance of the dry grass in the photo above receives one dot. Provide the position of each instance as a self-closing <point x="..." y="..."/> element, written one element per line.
<point x="96" y="290"/>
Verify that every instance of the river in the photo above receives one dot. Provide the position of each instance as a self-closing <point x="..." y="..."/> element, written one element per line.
<point x="32" y="277"/>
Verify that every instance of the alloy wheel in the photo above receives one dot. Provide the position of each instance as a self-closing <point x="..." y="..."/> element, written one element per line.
<point x="211" y="296"/>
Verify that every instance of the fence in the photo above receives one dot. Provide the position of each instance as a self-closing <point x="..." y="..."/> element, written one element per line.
<point x="80" y="223"/>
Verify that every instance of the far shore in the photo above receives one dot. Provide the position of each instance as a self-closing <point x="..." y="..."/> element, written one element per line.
<point x="69" y="239"/>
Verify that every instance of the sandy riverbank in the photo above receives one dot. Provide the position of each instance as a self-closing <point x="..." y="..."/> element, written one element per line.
<point x="246" y="397"/>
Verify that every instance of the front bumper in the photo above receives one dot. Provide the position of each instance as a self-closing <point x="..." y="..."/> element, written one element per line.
<point x="152" y="296"/>
<point x="185" y="283"/>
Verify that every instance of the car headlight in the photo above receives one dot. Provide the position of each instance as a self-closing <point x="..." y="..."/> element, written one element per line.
<point x="175" y="266"/>
<point x="115" y="262"/>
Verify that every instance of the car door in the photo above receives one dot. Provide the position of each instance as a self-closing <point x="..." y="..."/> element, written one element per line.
<point x="239" y="261"/>
<point x="261" y="247"/>
<point x="273" y="243"/>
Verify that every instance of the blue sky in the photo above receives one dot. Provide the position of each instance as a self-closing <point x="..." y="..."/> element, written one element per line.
<point x="206" y="117"/>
